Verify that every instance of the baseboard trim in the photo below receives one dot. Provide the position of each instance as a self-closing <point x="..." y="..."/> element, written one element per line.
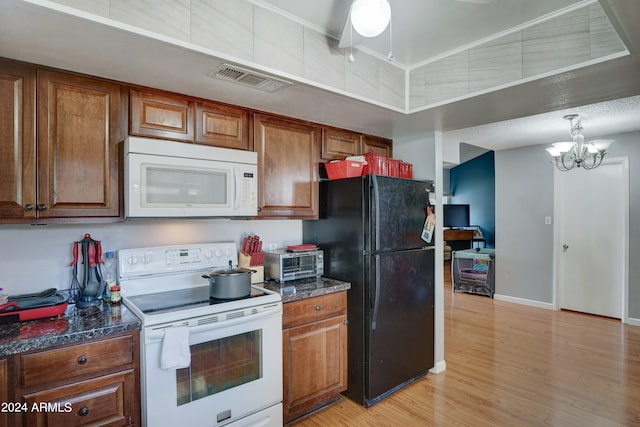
<point x="439" y="368"/>
<point x="523" y="301"/>
<point x="633" y="322"/>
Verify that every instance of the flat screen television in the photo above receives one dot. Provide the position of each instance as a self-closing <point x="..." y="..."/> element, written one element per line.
<point x="455" y="216"/>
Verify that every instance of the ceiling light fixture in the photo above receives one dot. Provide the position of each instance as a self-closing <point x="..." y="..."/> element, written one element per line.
<point x="567" y="155"/>
<point x="370" y="17"/>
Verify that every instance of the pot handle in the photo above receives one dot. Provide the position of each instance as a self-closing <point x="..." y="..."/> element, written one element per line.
<point x="206" y="276"/>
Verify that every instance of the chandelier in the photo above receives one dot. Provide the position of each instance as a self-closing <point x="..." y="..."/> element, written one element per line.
<point x="370" y="17"/>
<point x="567" y="155"/>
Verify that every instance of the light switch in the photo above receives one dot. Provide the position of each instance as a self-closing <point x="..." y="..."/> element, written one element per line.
<point x="547" y="220"/>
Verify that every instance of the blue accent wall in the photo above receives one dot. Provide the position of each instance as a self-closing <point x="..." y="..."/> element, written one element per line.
<point x="474" y="183"/>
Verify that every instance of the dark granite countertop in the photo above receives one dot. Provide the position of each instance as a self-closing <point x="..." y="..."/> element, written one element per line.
<point x="306" y="288"/>
<point x="73" y="326"/>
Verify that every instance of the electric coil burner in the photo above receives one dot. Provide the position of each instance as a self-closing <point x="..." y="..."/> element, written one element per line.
<point x="201" y="358"/>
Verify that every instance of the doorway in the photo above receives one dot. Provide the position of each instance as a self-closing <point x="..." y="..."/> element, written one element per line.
<point x="591" y="239"/>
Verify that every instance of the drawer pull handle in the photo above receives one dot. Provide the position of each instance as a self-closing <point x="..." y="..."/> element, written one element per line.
<point x="84" y="412"/>
<point x="82" y="360"/>
<point x="317" y="308"/>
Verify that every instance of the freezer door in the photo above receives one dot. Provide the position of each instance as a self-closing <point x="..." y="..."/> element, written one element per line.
<point x="397" y="213"/>
<point x="400" y="320"/>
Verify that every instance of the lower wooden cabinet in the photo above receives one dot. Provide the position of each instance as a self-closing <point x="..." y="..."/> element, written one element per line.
<point x="314" y="353"/>
<point x="4" y="391"/>
<point x="93" y="383"/>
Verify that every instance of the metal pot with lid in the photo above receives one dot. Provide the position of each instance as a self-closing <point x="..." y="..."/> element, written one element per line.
<point x="230" y="283"/>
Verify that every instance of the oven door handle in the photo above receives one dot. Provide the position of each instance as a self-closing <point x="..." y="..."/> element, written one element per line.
<point x="156" y="334"/>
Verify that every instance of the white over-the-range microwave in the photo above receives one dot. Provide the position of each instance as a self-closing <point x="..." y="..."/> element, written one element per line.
<point x="175" y="179"/>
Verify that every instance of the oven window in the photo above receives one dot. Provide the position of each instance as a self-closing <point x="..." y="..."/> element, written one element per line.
<point x="178" y="186"/>
<point x="220" y="365"/>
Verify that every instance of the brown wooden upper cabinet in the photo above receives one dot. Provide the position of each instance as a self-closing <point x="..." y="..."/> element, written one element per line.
<point x="287" y="166"/>
<point x="17" y="140"/>
<point x="338" y="144"/>
<point x="377" y="144"/>
<point x="222" y="126"/>
<point x="71" y="170"/>
<point x="78" y="132"/>
<point x="161" y="115"/>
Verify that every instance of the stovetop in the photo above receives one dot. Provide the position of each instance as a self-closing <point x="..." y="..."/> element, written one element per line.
<point x="165" y="284"/>
<point x="183" y="299"/>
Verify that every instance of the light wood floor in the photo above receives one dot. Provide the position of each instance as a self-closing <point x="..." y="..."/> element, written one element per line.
<point x="514" y="365"/>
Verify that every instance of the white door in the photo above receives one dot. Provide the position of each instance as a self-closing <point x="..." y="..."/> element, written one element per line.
<point x="591" y="238"/>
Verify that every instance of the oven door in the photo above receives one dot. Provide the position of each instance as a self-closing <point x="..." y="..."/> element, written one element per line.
<point x="236" y="371"/>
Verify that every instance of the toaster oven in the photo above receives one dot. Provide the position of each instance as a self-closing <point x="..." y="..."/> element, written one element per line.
<point x="284" y="266"/>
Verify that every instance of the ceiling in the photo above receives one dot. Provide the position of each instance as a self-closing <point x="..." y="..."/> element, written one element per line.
<point x="526" y="114"/>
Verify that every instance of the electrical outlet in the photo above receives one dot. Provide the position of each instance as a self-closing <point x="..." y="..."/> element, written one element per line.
<point x="273" y="246"/>
<point x="547" y="220"/>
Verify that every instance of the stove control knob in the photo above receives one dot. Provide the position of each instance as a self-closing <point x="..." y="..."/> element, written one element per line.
<point x="208" y="253"/>
<point x="146" y="259"/>
<point x="132" y="260"/>
<point x="227" y="252"/>
<point x="218" y="253"/>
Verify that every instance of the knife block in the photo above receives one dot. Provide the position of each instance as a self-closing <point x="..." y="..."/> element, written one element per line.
<point x="244" y="261"/>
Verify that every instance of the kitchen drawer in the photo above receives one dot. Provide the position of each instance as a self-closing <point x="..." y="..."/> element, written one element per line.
<point x="313" y="309"/>
<point x="50" y="366"/>
<point x="101" y="401"/>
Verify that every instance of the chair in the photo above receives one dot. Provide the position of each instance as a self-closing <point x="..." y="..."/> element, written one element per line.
<point x="447" y="251"/>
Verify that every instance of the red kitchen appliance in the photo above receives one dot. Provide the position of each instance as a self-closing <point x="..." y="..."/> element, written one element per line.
<point x="21" y="308"/>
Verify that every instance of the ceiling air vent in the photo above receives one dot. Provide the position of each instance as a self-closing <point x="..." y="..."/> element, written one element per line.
<point x="249" y="78"/>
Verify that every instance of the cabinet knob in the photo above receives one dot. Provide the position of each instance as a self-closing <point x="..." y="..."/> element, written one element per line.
<point x="346" y="322"/>
<point x="28" y="207"/>
<point x="318" y="308"/>
<point x="42" y="207"/>
<point x="84" y="411"/>
<point x="82" y="360"/>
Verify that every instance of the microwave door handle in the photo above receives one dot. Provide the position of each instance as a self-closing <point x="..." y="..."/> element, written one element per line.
<point x="236" y="186"/>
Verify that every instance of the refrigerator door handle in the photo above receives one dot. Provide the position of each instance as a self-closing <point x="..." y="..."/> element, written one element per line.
<point x="376" y="201"/>
<point x="376" y="297"/>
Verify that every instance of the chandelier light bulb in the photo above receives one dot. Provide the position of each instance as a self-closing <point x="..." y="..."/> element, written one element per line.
<point x="370" y="17"/>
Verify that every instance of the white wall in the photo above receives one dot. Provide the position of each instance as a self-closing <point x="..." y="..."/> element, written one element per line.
<point x="524" y="245"/>
<point x="420" y="153"/>
<point x="33" y="258"/>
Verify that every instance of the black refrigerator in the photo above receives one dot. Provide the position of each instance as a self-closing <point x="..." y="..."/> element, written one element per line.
<point x="370" y="229"/>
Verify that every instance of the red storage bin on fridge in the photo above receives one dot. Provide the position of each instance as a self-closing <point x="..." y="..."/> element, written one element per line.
<point x="393" y="167"/>
<point x="344" y="169"/>
<point x="406" y="170"/>
<point x="376" y="164"/>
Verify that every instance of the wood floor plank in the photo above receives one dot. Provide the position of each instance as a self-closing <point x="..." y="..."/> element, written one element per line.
<point x="514" y="365"/>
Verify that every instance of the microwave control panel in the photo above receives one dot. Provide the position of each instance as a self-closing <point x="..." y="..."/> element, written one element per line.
<point x="248" y="190"/>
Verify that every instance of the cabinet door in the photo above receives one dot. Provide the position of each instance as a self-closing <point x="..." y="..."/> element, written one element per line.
<point x="287" y="167"/>
<point x="378" y="145"/>
<point x="108" y="400"/>
<point x="315" y="365"/>
<point x="222" y="126"/>
<point x="17" y="141"/>
<point x="338" y="144"/>
<point x="77" y="146"/>
<point x="161" y="115"/>
<point x="4" y="393"/>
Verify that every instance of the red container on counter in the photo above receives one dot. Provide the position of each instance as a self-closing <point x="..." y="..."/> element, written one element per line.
<point x="376" y="164"/>
<point x="344" y="169"/>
